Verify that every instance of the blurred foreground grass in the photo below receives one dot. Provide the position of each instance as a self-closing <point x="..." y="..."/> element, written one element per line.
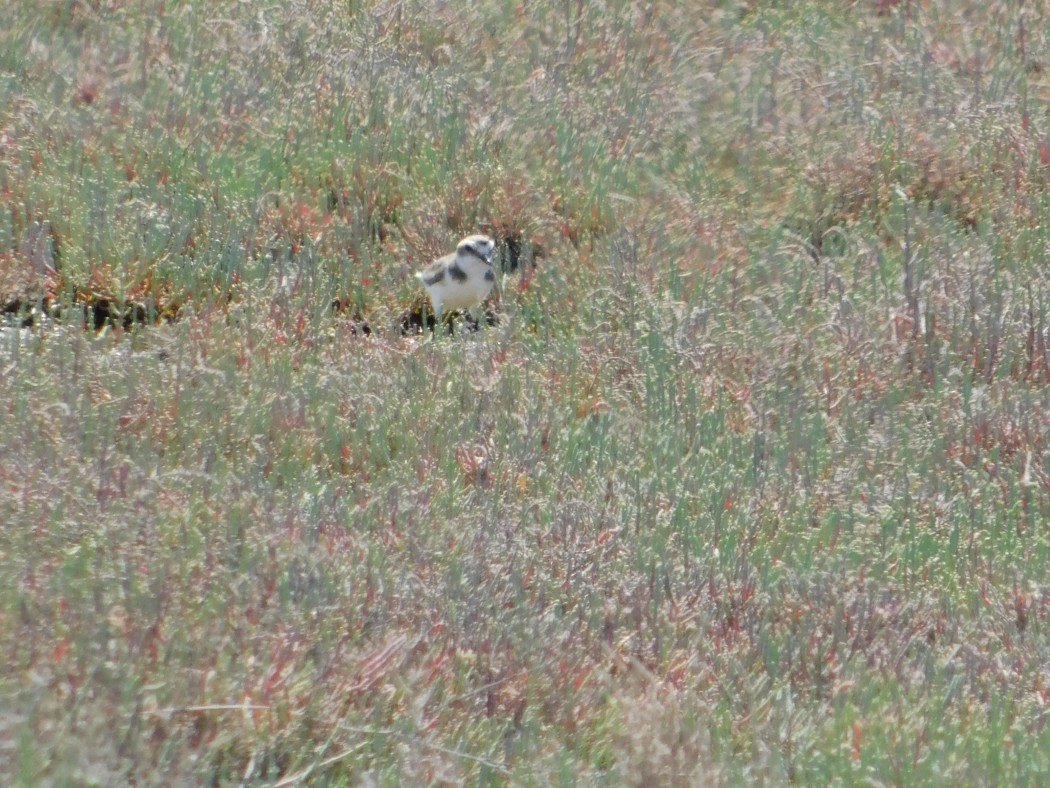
<point x="749" y="484"/>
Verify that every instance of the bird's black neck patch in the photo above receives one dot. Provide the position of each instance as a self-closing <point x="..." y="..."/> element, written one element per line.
<point x="457" y="273"/>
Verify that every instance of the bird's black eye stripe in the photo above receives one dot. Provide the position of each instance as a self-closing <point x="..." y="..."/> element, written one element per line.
<point x="473" y="251"/>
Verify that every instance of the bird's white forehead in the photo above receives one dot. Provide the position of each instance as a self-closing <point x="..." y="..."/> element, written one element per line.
<point x="474" y="240"/>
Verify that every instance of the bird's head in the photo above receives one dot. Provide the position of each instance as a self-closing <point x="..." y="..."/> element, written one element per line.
<point x="477" y="247"/>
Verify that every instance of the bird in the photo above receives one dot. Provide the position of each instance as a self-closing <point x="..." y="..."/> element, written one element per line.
<point x="461" y="279"/>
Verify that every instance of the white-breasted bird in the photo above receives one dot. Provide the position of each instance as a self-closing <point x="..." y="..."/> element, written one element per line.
<point x="461" y="279"/>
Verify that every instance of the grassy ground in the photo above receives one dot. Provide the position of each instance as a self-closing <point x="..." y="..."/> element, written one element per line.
<point x="750" y="483"/>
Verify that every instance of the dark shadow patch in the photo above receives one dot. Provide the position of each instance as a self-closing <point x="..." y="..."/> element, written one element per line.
<point x="416" y="321"/>
<point x="358" y="325"/>
<point x="516" y="250"/>
<point x="103" y="312"/>
<point x="92" y="313"/>
<point x="26" y="311"/>
<point x="29" y="272"/>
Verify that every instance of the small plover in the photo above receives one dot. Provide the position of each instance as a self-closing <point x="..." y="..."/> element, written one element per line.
<point x="461" y="279"/>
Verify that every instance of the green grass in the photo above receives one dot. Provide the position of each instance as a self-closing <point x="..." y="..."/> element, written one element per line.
<point x="750" y="484"/>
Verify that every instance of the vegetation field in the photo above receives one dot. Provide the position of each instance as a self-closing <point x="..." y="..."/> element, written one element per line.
<point x="747" y="483"/>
